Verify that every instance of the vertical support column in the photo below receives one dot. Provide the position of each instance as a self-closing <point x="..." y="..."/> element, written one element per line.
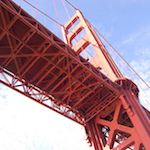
<point x="123" y="124"/>
<point x="93" y="136"/>
<point x="102" y="59"/>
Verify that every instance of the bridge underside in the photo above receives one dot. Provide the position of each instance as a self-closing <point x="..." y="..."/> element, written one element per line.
<point x="45" y="69"/>
<point x="36" y="63"/>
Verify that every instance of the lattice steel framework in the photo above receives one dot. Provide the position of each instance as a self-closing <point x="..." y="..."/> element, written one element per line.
<point x="36" y="63"/>
<point x="34" y="60"/>
<point x="123" y="124"/>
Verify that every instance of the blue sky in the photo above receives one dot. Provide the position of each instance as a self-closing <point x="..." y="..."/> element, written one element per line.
<point x="125" y="24"/>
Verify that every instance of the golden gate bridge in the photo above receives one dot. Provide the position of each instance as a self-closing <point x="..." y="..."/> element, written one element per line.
<point x="82" y="78"/>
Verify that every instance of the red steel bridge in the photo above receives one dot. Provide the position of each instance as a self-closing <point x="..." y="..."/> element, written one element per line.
<point x="90" y="91"/>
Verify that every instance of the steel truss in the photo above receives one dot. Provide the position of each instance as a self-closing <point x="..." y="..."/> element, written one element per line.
<point x="36" y="94"/>
<point x="123" y="124"/>
<point x="36" y="63"/>
<point x="43" y="65"/>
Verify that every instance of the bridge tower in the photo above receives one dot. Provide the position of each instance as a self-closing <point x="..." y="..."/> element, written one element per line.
<point x="36" y="63"/>
<point x="123" y="124"/>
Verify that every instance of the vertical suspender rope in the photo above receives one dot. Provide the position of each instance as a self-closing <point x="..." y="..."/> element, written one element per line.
<point x="45" y="20"/>
<point x="36" y="9"/>
<point x="125" y="62"/>
<point x="32" y="11"/>
<point x="20" y="3"/>
<point x="57" y="17"/>
<point x="56" y="28"/>
<point x="66" y="9"/>
<point x="120" y="56"/>
<point x="43" y="13"/>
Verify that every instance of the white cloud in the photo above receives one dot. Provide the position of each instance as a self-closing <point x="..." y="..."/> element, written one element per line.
<point x="140" y="61"/>
<point x="139" y="38"/>
<point x="27" y="125"/>
<point x="142" y="67"/>
<point x="145" y="52"/>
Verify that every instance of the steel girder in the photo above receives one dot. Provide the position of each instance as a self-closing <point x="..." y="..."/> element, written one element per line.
<point x="123" y="123"/>
<point x="39" y="61"/>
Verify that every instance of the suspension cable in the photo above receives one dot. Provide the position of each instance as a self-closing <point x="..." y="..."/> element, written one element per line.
<point x="71" y="5"/>
<point x="119" y="55"/>
<point x="83" y="39"/>
<point x="43" y="13"/>
<point x="126" y="63"/>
